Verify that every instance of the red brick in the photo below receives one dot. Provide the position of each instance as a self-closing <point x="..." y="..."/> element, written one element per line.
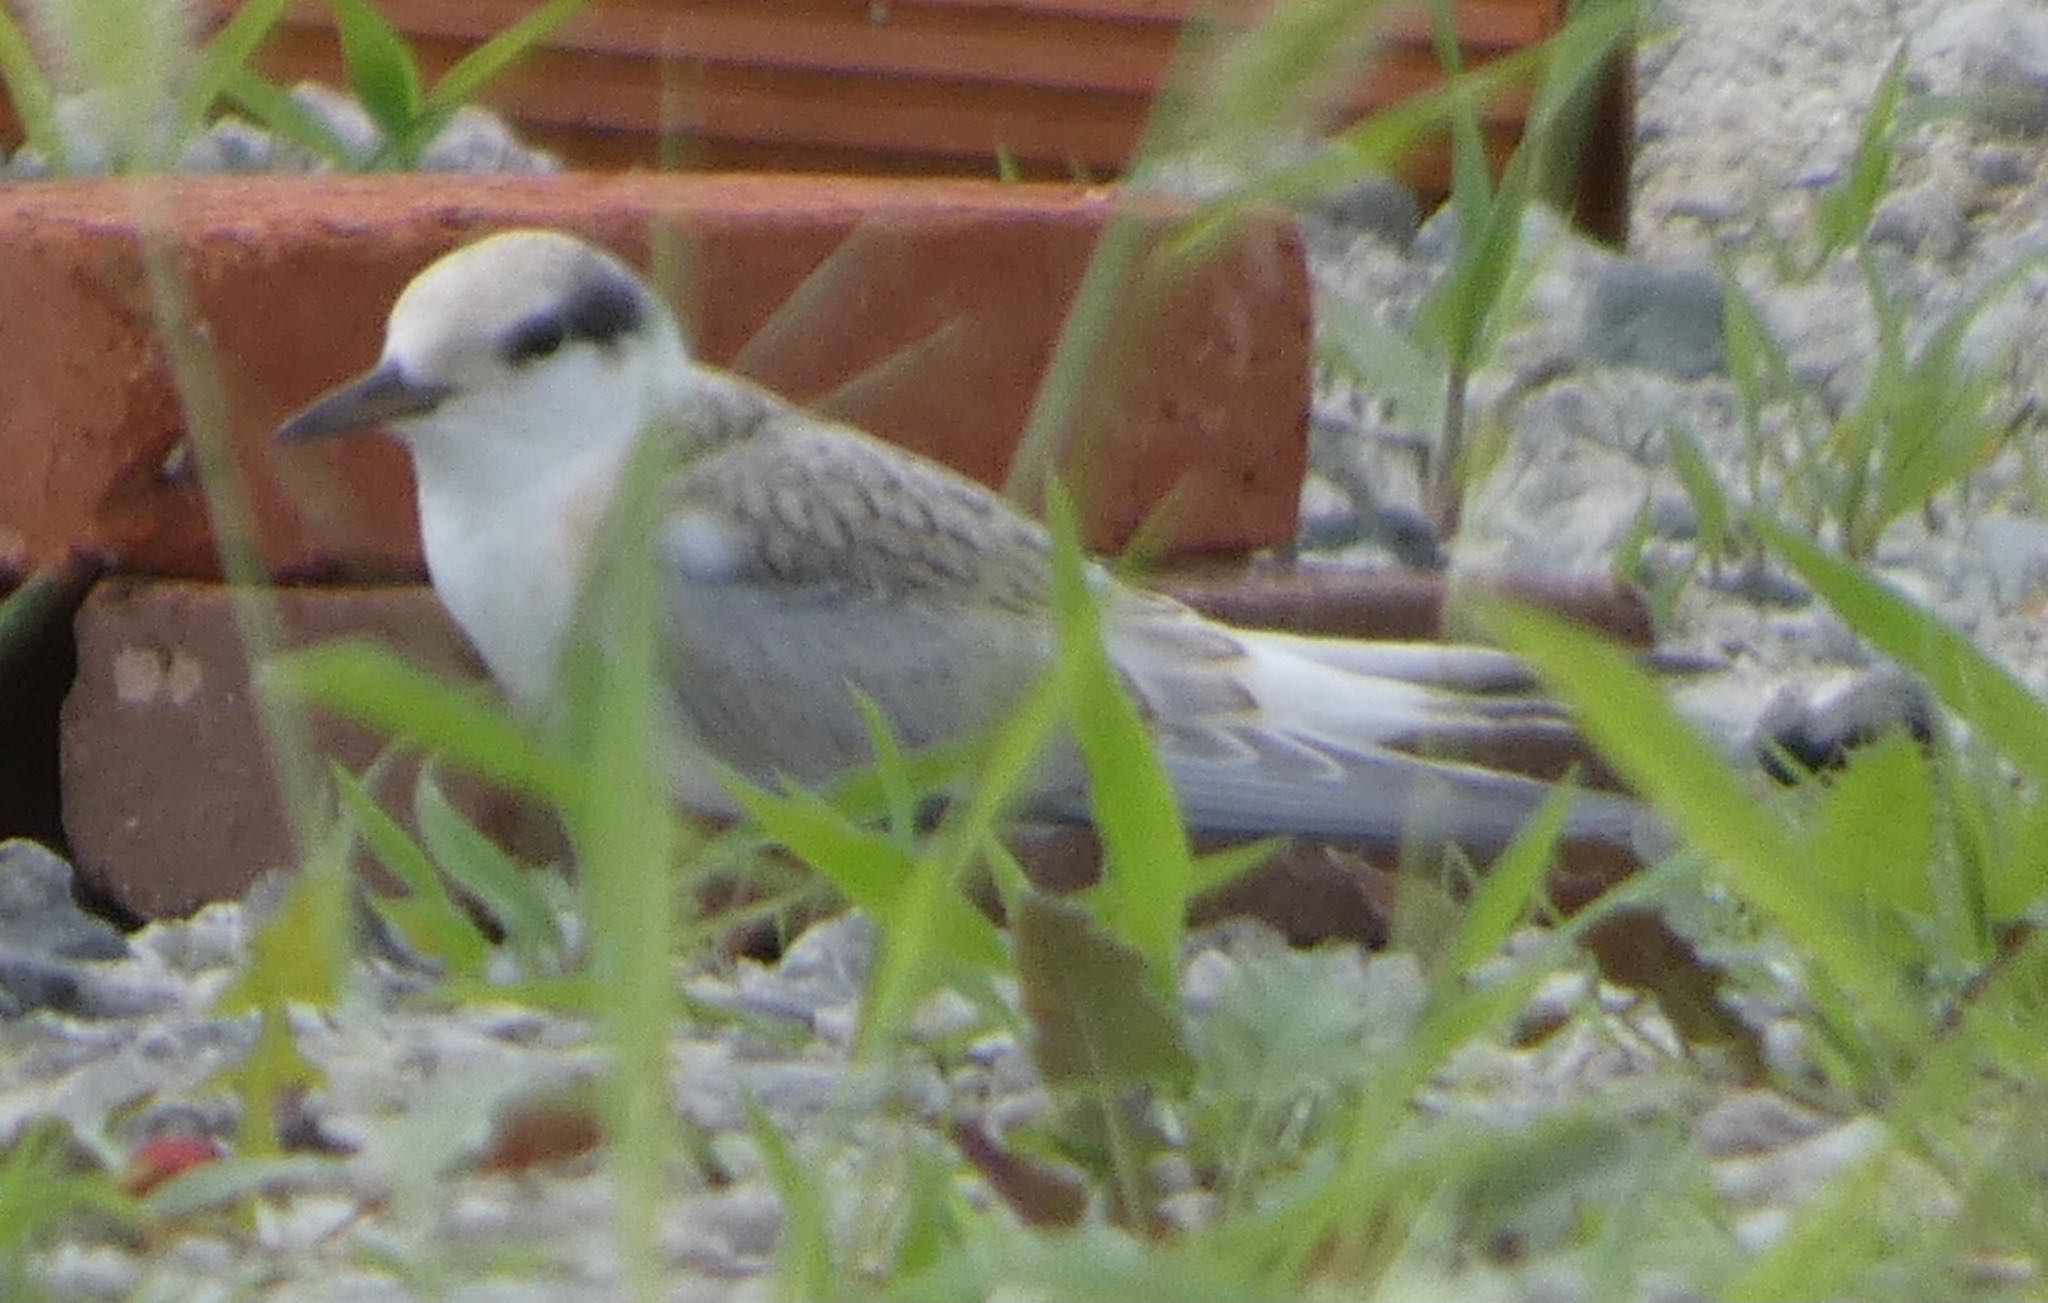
<point x="169" y="800"/>
<point x="169" y="794"/>
<point x="292" y="278"/>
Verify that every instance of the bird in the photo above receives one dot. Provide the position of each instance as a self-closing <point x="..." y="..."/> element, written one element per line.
<point x="802" y="563"/>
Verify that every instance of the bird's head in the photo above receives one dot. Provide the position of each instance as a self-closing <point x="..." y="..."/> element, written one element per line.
<point x="528" y="337"/>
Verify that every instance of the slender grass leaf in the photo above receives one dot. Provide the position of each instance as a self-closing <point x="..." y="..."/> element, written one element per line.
<point x="1874" y="837"/>
<point x="471" y="73"/>
<point x="1383" y="360"/>
<point x="1099" y="1025"/>
<point x="503" y="886"/>
<point x="803" y="1257"/>
<point x="1847" y="207"/>
<point x="368" y="683"/>
<point x="225" y="60"/>
<point x="430" y="917"/>
<point x="380" y="66"/>
<point x="1981" y="691"/>
<point x="1621" y="709"/>
<point x="891" y="769"/>
<point x="1146" y="861"/>
<point x="1505" y="892"/>
<point x="1702" y="489"/>
<point x="903" y="973"/>
<point x="229" y="1182"/>
<point x="870" y="869"/>
<point x="1215" y="870"/>
<point x="29" y="91"/>
<point x="277" y="112"/>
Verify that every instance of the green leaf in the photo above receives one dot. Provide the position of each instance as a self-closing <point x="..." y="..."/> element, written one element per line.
<point x="1147" y="869"/>
<point x="1874" y="836"/>
<point x="273" y="109"/>
<point x="504" y="887"/>
<point x="906" y="968"/>
<point x="380" y="66"/>
<point x="29" y="91"/>
<point x="1702" y="488"/>
<point x="803" y="1257"/>
<point x="1383" y="360"/>
<point x="231" y="1181"/>
<point x="225" y="60"/>
<point x="1506" y="890"/>
<point x="1978" y="689"/>
<point x="1623" y="712"/>
<point x="1215" y="870"/>
<point x="431" y="918"/>
<point x="460" y="84"/>
<point x="368" y="683"/>
<point x="1099" y="1025"/>
<point x="40" y="1192"/>
<point x="1846" y="208"/>
<point x="872" y="870"/>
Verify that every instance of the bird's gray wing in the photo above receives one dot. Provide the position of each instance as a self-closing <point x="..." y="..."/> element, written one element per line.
<point x="802" y="561"/>
<point x="1266" y="733"/>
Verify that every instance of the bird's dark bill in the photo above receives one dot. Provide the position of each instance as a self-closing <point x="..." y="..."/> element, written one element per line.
<point x="378" y="398"/>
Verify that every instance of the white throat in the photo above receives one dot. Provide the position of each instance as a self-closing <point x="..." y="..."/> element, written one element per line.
<point x="512" y="491"/>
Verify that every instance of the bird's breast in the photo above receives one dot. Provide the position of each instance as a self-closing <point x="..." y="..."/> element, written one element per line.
<point x="508" y="571"/>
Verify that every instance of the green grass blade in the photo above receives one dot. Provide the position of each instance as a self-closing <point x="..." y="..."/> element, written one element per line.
<point x="273" y="109"/>
<point x="430" y="917"/>
<point x="1622" y="710"/>
<point x="1147" y="873"/>
<point x="380" y="66"/>
<point x="225" y="60"/>
<point x="1847" y="207"/>
<point x="1981" y="691"/>
<point x="29" y="91"/>
<point x="870" y="869"/>
<point x="1505" y="892"/>
<point x="909" y="957"/>
<point x="461" y="83"/>
<point x="803" y="1258"/>
<point x="475" y="864"/>
<point x="368" y="683"/>
<point x="1385" y="361"/>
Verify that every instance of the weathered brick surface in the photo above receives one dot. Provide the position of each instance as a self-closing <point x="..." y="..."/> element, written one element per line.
<point x="965" y="284"/>
<point x="169" y="800"/>
<point x="169" y="795"/>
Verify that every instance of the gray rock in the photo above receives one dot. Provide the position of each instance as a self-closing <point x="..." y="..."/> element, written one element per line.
<point x="2000" y="167"/>
<point x="1405" y="534"/>
<point x="1816" y="729"/>
<point x="479" y="141"/>
<point x="1329" y="519"/>
<point x="1672" y="516"/>
<point x="1924" y="220"/>
<point x="37" y="913"/>
<point x="1992" y="55"/>
<point x="1792" y="1173"/>
<point x="233" y="146"/>
<point x="344" y="118"/>
<point x="2014" y="552"/>
<point x="1378" y="206"/>
<point x="1658" y="318"/>
<point x="1754" y="1122"/>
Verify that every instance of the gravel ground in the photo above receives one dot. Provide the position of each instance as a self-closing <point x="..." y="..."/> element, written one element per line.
<point x="1745" y="109"/>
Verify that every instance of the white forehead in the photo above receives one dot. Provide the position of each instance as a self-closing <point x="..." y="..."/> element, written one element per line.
<point x="471" y="297"/>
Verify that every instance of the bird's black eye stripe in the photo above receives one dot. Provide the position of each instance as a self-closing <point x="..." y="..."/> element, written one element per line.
<point x="535" y="338"/>
<point x="600" y="311"/>
<point x="603" y="310"/>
